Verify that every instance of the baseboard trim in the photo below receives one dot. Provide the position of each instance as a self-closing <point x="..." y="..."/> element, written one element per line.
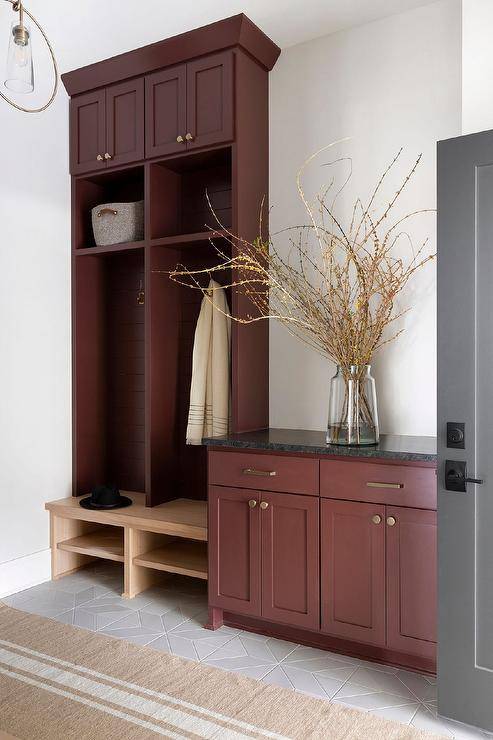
<point x="324" y="641"/>
<point x="24" y="572"/>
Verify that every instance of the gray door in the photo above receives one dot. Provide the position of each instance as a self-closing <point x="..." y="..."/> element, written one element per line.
<point x="465" y="395"/>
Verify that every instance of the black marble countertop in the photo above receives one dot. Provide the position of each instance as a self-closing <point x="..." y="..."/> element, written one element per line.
<point x="394" y="447"/>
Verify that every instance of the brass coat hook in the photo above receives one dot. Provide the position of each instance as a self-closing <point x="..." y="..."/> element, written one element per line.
<point x="141" y="295"/>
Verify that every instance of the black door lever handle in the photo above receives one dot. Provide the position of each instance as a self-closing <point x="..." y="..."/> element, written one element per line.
<point x="456" y="477"/>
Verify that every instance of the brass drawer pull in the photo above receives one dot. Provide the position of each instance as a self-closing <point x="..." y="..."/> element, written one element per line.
<point x="252" y="503"/>
<point x="180" y="139"/>
<point x="253" y="471"/>
<point x="109" y="211"/>
<point x="373" y="484"/>
<point x="376" y="519"/>
<point x="264" y="505"/>
<point x="391" y="521"/>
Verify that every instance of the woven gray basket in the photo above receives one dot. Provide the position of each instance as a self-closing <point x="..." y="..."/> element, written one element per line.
<point x="115" y="223"/>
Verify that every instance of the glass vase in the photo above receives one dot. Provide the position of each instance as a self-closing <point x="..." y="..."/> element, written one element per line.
<point x="353" y="415"/>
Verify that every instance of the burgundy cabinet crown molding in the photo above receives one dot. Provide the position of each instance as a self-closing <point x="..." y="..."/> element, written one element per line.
<point x="238" y="30"/>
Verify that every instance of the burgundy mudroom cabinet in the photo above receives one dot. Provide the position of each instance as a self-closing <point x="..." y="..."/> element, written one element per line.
<point x="378" y="567"/>
<point x="338" y="552"/>
<point x="107" y="127"/>
<point x="268" y="562"/>
<point x="353" y="570"/>
<point x="190" y="105"/>
<point x="181" y="125"/>
<point x="187" y="107"/>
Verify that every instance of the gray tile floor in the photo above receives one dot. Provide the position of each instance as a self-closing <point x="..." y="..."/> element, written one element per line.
<point x="170" y="618"/>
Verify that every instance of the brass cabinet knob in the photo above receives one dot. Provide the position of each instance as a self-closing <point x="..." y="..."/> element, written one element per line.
<point x="391" y="520"/>
<point x="376" y="519"/>
<point x="108" y="156"/>
<point x="189" y="137"/>
<point x="252" y="503"/>
<point x="100" y="157"/>
<point x="180" y="139"/>
<point x="264" y="505"/>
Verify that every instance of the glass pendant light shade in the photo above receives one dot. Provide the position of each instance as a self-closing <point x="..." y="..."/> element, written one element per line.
<point x="20" y="71"/>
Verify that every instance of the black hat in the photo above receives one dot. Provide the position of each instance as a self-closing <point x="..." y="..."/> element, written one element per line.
<point x="105" y="497"/>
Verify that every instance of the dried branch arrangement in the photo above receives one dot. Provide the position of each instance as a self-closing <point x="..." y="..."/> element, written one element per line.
<point x="331" y="285"/>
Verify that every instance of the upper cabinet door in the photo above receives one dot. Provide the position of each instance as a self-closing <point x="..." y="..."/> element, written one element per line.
<point x="352" y="538"/>
<point x="166" y="111"/>
<point x="290" y="559"/>
<point x="412" y="581"/>
<point x="125" y="122"/>
<point x="210" y="100"/>
<point x="87" y="132"/>
<point x="234" y="549"/>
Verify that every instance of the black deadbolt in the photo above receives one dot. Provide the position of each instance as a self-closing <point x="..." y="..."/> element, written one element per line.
<point x="455" y="435"/>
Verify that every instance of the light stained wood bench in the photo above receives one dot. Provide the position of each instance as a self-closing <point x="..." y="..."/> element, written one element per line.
<point x="171" y="537"/>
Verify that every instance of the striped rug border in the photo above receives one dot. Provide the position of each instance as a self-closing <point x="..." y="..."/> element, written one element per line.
<point x="23" y="663"/>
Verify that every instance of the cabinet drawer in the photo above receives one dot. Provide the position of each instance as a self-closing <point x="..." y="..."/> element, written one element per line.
<point x="397" y="485"/>
<point x="264" y="472"/>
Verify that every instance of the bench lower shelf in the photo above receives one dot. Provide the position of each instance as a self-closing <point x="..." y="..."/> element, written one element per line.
<point x="105" y="542"/>
<point x="184" y="557"/>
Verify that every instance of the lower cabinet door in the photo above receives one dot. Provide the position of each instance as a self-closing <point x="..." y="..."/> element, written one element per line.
<point x="411" y="580"/>
<point x="290" y="559"/>
<point x="234" y="549"/>
<point x="353" y="570"/>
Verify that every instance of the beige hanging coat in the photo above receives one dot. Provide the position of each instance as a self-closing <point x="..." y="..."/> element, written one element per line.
<point x="210" y="395"/>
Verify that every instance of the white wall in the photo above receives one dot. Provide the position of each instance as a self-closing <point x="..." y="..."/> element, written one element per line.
<point x="35" y="439"/>
<point x="35" y="405"/>
<point x="477" y="65"/>
<point x="395" y="82"/>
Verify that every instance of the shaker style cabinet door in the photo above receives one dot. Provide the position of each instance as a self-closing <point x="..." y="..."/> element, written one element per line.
<point x="87" y="132"/>
<point x="352" y="536"/>
<point x="166" y="111"/>
<point x="411" y="580"/>
<point x="234" y="550"/>
<point x="210" y="100"/>
<point x="125" y="122"/>
<point x="290" y="559"/>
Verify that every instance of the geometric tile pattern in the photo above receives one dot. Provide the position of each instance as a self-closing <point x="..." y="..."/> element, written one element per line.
<point x="170" y="618"/>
